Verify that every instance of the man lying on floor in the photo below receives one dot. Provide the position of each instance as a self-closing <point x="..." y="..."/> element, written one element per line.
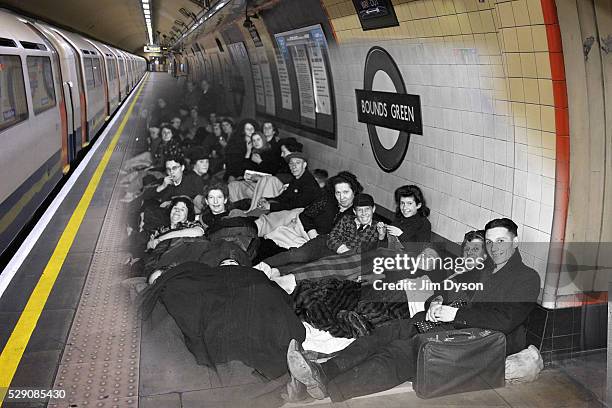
<point x="227" y="311"/>
<point x="387" y="357"/>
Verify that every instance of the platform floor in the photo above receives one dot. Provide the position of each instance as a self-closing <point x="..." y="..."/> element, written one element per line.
<point x="90" y="342"/>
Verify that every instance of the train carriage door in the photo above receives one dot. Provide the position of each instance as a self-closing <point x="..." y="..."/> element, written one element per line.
<point x="69" y="103"/>
<point x="67" y="126"/>
<point x="100" y="78"/>
<point x="58" y="77"/>
<point x="80" y="91"/>
<point x="122" y="76"/>
<point x="80" y="66"/>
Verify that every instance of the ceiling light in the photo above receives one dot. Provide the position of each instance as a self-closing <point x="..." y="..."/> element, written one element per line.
<point x="145" y="6"/>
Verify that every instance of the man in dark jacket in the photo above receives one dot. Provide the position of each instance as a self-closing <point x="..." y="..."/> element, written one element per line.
<point x="300" y="192"/>
<point x="387" y="358"/>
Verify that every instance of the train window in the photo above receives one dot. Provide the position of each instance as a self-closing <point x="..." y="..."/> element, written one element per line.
<point x="97" y="70"/>
<point x="89" y="75"/>
<point x="112" y="69"/>
<point x="13" y="102"/>
<point x="7" y="42"/>
<point x="33" y="46"/>
<point x="41" y="83"/>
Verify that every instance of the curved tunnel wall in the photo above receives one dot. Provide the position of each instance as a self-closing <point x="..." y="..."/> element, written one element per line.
<point x="492" y="83"/>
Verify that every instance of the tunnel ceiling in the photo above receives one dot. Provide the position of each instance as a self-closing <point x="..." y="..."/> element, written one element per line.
<point x="121" y="22"/>
<point x="117" y="22"/>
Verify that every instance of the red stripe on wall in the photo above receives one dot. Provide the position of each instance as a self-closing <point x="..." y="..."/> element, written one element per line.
<point x="562" y="170"/>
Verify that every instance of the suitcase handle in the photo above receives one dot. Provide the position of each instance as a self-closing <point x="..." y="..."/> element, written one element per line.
<point x="452" y="335"/>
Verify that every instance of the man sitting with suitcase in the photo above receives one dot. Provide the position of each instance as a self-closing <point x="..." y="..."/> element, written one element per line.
<point x="388" y="357"/>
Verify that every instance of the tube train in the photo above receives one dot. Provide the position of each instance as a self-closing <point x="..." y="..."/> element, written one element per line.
<point x="57" y="88"/>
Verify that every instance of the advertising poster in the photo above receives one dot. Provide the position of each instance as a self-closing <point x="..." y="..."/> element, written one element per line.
<point x="260" y="95"/>
<point x="304" y="80"/>
<point x="268" y="85"/>
<point x="307" y="48"/>
<point x="319" y="76"/>
<point x="283" y="78"/>
<point x="238" y="52"/>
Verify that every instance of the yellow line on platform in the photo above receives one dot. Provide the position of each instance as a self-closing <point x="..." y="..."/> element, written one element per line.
<point x="17" y="343"/>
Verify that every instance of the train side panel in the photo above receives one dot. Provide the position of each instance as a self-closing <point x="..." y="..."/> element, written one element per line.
<point x="30" y="125"/>
<point x="72" y="87"/>
<point x="91" y="72"/>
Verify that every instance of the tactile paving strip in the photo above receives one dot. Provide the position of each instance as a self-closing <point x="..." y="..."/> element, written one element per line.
<point x="100" y="363"/>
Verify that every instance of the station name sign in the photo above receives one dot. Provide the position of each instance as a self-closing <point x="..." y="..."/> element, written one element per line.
<point x="390" y="110"/>
<point x="152" y="48"/>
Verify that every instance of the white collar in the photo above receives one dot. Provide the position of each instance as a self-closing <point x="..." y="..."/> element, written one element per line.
<point x="359" y="224"/>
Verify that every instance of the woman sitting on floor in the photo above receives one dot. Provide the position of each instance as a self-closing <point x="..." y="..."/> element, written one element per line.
<point x="318" y="219"/>
<point x="165" y="246"/>
<point x="410" y="232"/>
<point x="263" y="160"/>
<point x="168" y="146"/>
<point x="239" y="148"/>
<point x="218" y="224"/>
<point x="410" y="226"/>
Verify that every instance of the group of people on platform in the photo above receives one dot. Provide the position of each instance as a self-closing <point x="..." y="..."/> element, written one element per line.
<point x="243" y="243"/>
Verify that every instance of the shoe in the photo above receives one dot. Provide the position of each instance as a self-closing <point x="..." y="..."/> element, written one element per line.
<point x="296" y="392"/>
<point x="307" y="372"/>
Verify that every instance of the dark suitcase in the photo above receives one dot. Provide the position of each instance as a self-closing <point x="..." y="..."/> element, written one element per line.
<point x="455" y="361"/>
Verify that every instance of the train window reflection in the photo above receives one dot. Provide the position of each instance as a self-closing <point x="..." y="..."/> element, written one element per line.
<point x="13" y="102"/>
<point x="89" y="76"/>
<point x="40" y="74"/>
<point x="97" y="70"/>
<point x="112" y="68"/>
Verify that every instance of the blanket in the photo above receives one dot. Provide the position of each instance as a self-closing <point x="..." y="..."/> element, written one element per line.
<point x="240" y="189"/>
<point x="283" y="227"/>
<point x="345" y="308"/>
<point x="228" y="313"/>
<point x="268" y="186"/>
<point x="321" y="302"/>
<point x="345" y="266"/>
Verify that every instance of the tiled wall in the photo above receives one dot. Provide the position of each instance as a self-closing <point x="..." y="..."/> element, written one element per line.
<point x="491" y="76"/>
<point x="567" y="332"/>
<point x="489" y="144"/>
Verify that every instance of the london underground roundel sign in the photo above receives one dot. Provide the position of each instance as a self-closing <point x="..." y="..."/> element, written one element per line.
<point x="394" y="110"/>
